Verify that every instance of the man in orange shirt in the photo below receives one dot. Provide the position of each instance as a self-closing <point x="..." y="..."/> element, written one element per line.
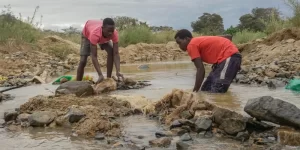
<point x="216" y="50"/>
<point x="105" y="35"/>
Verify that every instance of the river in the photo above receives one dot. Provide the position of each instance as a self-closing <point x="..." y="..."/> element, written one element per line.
<point x="164" y="77"/>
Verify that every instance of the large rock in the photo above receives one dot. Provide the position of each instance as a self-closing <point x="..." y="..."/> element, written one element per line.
<point x="79" y="88"/>
<point x="41" y="118"/>
<point x="274" y="110"/>
<point x="161" y="142"/>
<point x="107" y="85"/>
<point x="229" y="121"/>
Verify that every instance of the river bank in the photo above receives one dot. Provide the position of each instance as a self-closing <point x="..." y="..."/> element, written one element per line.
<point x="178" y="74"/>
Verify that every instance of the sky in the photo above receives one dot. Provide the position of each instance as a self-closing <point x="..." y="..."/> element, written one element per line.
<point x="178" y="14"/>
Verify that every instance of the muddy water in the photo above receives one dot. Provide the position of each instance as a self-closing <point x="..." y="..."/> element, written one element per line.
<point x="164" y="77"/>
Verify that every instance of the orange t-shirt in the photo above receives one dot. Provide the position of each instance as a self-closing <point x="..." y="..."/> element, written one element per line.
<point x="211" y="49"/>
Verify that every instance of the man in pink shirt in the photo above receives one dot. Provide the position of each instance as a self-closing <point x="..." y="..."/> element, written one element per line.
<point x="102" y="33"/>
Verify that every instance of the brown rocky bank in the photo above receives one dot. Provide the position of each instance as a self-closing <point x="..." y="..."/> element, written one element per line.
<point x="272" y="60"/>
<point x="185" y="113"/>
<point x="54" y="56"/>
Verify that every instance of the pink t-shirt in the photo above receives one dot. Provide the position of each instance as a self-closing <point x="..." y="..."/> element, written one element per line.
<point x="93" y="31"/>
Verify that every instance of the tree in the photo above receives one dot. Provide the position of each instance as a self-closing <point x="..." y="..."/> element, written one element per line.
<point x="122" y="22"/>
<point x="209" y="24"/>
<point x="160" y="28"/>
<point x="255" y="20"/>
<point x="231" y="30"/>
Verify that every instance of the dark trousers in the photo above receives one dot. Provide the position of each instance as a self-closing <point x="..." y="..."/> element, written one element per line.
<point x="222" y="74"/>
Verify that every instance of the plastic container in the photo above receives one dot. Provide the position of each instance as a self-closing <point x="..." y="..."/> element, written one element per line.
<point x="72" y="78"/>
<point x="293" y="85"/>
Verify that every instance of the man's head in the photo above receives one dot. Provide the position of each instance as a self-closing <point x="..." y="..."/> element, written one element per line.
<point x="183" y="38"/>
<point x="108" y="27"/>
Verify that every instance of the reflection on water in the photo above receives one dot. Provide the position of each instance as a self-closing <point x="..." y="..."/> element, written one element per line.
<point x="164" y="77"/>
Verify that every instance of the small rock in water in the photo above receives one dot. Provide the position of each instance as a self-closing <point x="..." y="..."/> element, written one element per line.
<point x="143" y="67"/>
<point x="233" y="125"/>
<point x="129" y="82"/>
<point x="112" y="140"/>
<point x="9" y="116"/>
<point x="185" y="137"/>
<point x="242" y="136"/>
<point x="161" y="142"/>
<point x="99" y="136"/>
<point x="75" y="115"/>
<point x="203" y="124"/>
<point x="271" y="85"/>
<point x="182" y="145"/>
<point x="41" y="118"/>
<point x="175" y="124"/>
<point x="179" y="131"/>
<point x="163" y="134"/>
<point x="135" y="147"/>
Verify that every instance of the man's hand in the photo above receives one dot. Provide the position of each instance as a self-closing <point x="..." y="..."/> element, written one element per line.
<point x="119" y="75"/>
<point x="100" y="79"/>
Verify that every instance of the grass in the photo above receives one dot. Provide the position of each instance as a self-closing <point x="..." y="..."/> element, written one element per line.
<point x="13" y="29"/>
<point x="246" y="36"/>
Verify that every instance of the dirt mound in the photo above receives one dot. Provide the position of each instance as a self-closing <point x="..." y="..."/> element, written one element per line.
<point x="140" y="52"/>
<point x="151" y="52"/>
<point x="171" y="106"/>
<point x="98" y="111"/>
<point x="285" y="34"/>
<point x="276" y="57"/>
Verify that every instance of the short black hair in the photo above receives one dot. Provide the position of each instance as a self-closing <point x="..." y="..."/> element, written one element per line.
<point x="183" y="33"/>
<point x="108" y="21"/>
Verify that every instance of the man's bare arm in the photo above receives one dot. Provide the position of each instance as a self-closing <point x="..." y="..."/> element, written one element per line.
<point x="117" y="59"/>
<point x="95" y="60"/>
<point x="200" y="74"/>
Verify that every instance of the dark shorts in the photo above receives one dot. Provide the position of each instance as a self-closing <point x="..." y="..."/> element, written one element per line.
<point x="222" y="74"/>
<point x="85" y="49"/>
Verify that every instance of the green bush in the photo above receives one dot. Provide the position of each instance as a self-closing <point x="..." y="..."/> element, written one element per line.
<point x="134" y="35"/>
<point x="245" y="36"/>
<point x="163" y="37"/>
<point x="13" y="28"/>
<point x="295" y="7"/>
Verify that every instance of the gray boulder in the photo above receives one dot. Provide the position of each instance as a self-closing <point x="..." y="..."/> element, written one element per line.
<point x="41" y="118"/>
<point x="79" y="88"/>
<point x="203" y="124"/>
<point x="267" y="108"/>
<point x="229" y="121"/>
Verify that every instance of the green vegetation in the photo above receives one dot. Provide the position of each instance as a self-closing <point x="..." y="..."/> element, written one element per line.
<point x="16" y="30"/>
<point x="245" y="36"/>
<point x="259" y="23"/>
